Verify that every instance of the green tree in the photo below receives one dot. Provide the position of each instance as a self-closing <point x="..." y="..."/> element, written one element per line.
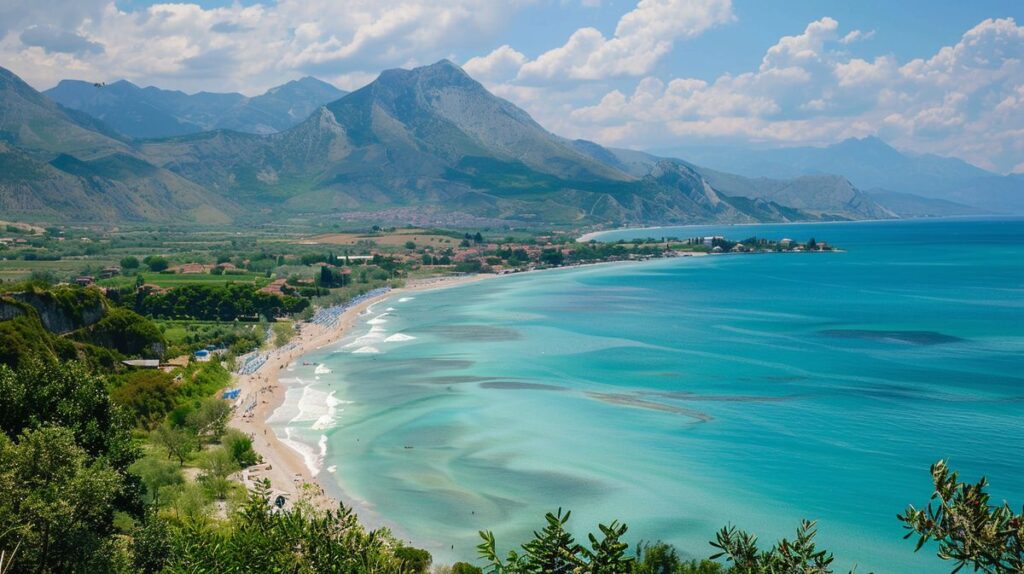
<point x="129" y="262"/>
<point x="211" y="418"/>
<point x="157" y="474"/>
<point x="799" y="555"/>
<point x="179" y="442"/>
<point x="414" y="560"/>
<point x="298" y="541"/>
<point x="217" y="465"/>
<point x="554" y="550"/>
<point x="56" y="502"/>
<point x="240" y="446"/>
<point x="662" y="558"/>
<point x="148" y="394"/>
<point x="466" y="568"/>
<point x="43" y="394"/>
<point x="156" y="263"/>
<point x="969" y="530"/>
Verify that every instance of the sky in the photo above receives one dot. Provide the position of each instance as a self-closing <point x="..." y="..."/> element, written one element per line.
<point x="938" y="76"/>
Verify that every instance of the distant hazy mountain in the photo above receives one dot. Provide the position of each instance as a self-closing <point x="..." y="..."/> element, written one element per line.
<point x="870" y="163"/>
<point x="153" y="113"/>
<point x="55" y="164"/>
<point x="431" y="137"/>
<point x="910" y="205"/>
<point x="820" y="196"/>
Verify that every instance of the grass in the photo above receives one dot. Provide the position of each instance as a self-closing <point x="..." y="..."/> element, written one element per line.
<point x="171" y="280"/>
<point x="398" y="238"/>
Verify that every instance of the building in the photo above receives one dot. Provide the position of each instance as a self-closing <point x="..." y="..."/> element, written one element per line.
<point x="143" y="363"/>
<point x="108" y="272"/>
<point x="84" y="280"/>
<point x="191" y="269"/>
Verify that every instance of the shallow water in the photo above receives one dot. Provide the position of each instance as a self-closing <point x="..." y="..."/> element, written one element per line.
<point x="680" y="395"/>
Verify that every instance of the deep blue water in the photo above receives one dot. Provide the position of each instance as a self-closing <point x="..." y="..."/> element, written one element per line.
<point x="680" y="395"/>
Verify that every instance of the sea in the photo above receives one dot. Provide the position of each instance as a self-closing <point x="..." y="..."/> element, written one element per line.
<point x="682" y="395"/>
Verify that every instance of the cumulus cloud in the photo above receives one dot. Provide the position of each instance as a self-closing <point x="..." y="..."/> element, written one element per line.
<point x="248" y="47"/>
<point x="642" y="36"/>
<point x="966" y="100"/>
<point x="501" y="64"/>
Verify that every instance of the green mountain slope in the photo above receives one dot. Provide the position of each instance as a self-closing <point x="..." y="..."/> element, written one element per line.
<point x="57" y="165"/>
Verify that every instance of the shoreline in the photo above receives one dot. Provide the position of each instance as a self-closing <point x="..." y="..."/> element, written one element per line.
<point x="283" y="465"/>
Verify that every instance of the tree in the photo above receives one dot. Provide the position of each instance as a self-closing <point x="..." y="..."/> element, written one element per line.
<point x="130" y="262"/>
<point x="465" y="568"/>
<point x="799" y="555"/>
<point x="969" y="530"/>
<point x="217" y="465"/>
<point x="156" y="474"/>
<point x="56" y="502"/>
<point x="42" y="394"/>
<point x="414" y="560"/>
<point x="410" y="245"/>
<point x="662" y="558"/>
<point x="148" y="394"/>
<point x="258" y="538"/>
<point x="553" y="550"/>
<point x="178" y="441"/>
<point x="240" y="446"/>
<point x="211" y="418"/>
<point x="156" y="263"/>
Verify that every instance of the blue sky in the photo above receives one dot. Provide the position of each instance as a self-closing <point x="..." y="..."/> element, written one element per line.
<point x="941" y="77"/>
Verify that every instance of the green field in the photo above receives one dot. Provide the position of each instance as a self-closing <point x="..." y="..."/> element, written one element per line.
<point x="18" y="270"/>
<point x="171" y="280"/>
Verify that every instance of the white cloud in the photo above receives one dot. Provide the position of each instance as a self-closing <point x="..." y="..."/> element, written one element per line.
<point x="248" y="48"/>
<point x="642" y="36"/>
<point x="501" y="64"/>
<point x="966" y="100"/>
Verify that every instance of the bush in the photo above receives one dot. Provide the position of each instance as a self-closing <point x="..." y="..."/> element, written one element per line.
<point x="415" y="560"/>
<point x="240" y="446"/>
<point x="148" y="395"/>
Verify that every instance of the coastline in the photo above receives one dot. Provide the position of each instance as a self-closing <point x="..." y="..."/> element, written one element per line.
<point x="283" y="465"/>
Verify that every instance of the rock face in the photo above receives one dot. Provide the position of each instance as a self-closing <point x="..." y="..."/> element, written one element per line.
<point x="65" y="310"/>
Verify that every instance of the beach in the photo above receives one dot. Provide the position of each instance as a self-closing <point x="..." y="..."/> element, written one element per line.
<point x="283" y="465"/>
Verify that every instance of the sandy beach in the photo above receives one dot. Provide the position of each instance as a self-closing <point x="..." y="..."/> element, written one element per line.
<point x="282" y="465"/>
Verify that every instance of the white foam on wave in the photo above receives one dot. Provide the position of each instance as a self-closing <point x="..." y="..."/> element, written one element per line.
<point x="398" y="338"/>
<point x="390" y="309"/>
<point x="321" y="369"/>
<point x="379" y="319"/>
<point x="367" y="350"/>
<point x="320" y="408"/>
<point x="404" y="299"/>
<point x="332" y="469"/>
<point x="309" y="456"/>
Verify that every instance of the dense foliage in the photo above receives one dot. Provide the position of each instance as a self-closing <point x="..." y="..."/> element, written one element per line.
<point x="217" y="302"/>
<point x="64" y="459"/>
<point x="126" y="332"/>
<point x="299" y="541"/>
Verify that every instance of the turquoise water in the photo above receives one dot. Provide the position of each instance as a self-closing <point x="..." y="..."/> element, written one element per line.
<point x="680" y="395"/>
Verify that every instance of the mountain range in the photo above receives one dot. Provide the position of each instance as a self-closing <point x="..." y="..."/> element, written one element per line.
<point x="911" y="184"/>
<point x="154" y="113"/>
<point x="431" y="138"/>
